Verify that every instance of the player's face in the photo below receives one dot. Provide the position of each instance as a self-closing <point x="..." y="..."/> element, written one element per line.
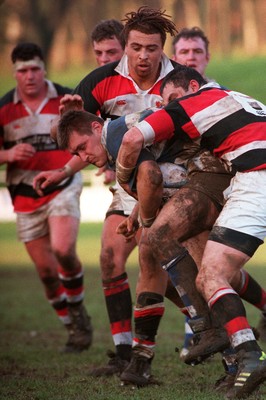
<point x="88" y="147"/>
<point x="107" y="50"/>
<point x="192" y="52"/>
<point x="30" y="80"/>
<point x="144" y="55"/>
<point x="171" y="92"/>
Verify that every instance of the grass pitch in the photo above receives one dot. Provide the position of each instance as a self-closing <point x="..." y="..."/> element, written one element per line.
<point x="31" y="366"/>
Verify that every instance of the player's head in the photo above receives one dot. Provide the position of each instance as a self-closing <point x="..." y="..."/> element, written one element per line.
<point x="191" y="48"/>
<point x="29" y="68"/>
<point x="80" y="133"/>
<point x="145" y="34"/>
<point x="107" y="41"/>
<point x="149" y="21"/>
<point x="179" y="82"/>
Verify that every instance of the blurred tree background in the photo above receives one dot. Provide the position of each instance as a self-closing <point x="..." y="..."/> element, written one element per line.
<point x="62" y="27"/>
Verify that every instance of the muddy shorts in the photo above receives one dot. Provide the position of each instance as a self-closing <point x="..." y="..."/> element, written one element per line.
<point x="211" y="184"/>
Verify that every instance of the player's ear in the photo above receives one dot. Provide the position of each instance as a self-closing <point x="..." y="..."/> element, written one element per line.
<point x="96" y="127"/>
<point x="194" y="85"/>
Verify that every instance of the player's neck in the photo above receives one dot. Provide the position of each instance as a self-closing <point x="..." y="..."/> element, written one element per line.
<point x="145" y="83"/>
<point x="33" y="101"/>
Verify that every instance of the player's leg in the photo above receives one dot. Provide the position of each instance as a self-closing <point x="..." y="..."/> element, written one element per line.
<point x="195" y="248"/>
<point x="32" y="229"/>
<point x="186" y="214"/>
<point x="251" y="291"/>
<point x="218" y="266"/>
<point x="114" y="253"/>
<point x="149" y="184"/>
<point x="47" y="265"/>
<point x="63" y="237"/>
<point x="148" y="311"/>
<point x="238" y="232"/>
<point x="173" y="224"/>
<point x="63" y="216"/>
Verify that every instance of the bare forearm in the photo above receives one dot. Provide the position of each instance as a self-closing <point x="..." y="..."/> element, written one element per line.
<point x="4" y="157"/>
<point x="128" y="154"/>
<point x="76" y="164"/>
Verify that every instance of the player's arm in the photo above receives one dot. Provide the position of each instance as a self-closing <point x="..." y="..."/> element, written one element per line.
<point x="128" y="154"/>
<point x="17" y="153"/>
<point x="71" y="102"/>
<point x="55" y="176"/>
<point x="129" y="227"/>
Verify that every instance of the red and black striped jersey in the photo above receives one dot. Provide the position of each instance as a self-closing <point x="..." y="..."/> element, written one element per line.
<point x="110" y="91"/>
<point x="18" y="124"/>
<point x="231" y="125"/>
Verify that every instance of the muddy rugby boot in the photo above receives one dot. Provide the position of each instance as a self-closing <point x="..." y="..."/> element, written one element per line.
<point x="138" y="371"/>
<point x="251" y="373"/>
<point x="205" y="344"/>
<point x="80" y="330"/>
<point x="115" y="366"/>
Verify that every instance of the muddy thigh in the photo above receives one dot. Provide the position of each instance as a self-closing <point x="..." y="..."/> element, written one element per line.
<point x="186" y="214"/>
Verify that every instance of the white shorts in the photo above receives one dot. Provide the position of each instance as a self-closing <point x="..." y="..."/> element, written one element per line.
<point x="245" y="207"/>
<point x="127" y="202"/>
<point x="31" y="226"/>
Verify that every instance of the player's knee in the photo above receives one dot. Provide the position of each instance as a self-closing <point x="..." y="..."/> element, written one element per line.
<point x="155" y="239"/>
<point x="107" y="262"/>
<point x="155" y="177"/>
<point x="51" y="283"/>
<point x="67" y="259"/>
<point x="150" y="172"/>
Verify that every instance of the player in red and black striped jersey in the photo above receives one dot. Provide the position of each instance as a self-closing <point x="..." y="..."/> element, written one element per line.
<point x="48" y="225"/>
<point x="232" y="126"/>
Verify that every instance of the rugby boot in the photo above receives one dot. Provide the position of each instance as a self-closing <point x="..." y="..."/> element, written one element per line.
<point x="80" y="330"/>
<point x="138" y="371"/>
<point x="226" y="382"/>
<point x="205" y="344"/>
<point x="251" y="373"/>
<point x="262" y="328"/>
<point x="115" y="366"/>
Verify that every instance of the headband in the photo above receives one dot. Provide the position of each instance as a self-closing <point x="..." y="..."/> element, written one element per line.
<point x="34" y="62"/>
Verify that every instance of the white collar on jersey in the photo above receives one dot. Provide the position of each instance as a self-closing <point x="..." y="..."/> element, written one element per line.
<point x="166" y="66"/>
<point x="51" y="92"/>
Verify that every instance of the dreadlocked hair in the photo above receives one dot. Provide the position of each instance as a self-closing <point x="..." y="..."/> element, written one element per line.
<point x="148" y="20"/>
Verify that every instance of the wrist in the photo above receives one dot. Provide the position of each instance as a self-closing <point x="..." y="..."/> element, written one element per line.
<point x="9" y="156"/>
<point x="146" y="222"/>
<point x="68" y="171"/>
<point x="123" y="174"/>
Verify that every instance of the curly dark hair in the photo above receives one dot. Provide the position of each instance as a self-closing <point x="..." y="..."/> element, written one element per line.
<point x="26" y="51"/>
<point x="148" y="20"/>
